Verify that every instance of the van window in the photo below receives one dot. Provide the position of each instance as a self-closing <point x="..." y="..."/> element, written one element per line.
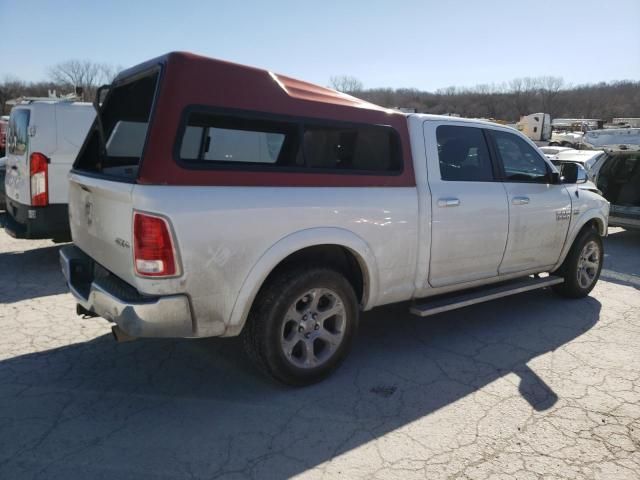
<point x="125" y="116"/>
<point x="220" y="139"/>
<point x="18" y="135"/>
<point x="463" y="154"/>
<point x="364" y="149"/>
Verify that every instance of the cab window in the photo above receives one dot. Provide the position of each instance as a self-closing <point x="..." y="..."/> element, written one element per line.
<point x="463" y="154"/>
<point x="521" y="162"/>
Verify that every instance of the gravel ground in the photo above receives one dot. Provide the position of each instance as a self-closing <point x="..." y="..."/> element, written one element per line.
<point x="528" y="387"/>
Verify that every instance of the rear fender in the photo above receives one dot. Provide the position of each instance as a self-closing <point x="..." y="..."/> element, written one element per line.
<point x="291" y="244"/>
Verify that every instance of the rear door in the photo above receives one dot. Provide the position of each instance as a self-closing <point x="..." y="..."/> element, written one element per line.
<point x="469" y="206"/>
<point x="17" y="176"/>
<point x="539" y="212"/>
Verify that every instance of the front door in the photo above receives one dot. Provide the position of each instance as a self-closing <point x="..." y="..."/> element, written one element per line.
<point x="539" y="212"/>
<point x="469" y="207"/>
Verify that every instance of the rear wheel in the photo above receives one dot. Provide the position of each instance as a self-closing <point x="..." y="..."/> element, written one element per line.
<point x="581" y="269"/>
<point x="302" y="325"/>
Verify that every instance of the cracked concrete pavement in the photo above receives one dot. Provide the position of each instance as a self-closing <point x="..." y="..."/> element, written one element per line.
<point x="528" y="387"/>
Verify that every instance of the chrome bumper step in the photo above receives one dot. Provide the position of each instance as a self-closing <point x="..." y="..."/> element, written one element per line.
<point x="459" y="300"/>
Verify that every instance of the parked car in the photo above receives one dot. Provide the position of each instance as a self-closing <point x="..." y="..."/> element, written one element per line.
<point x="551" y="151"/>
<point x="44" y="136"/>
<point x="586" y="158"/>
<point x="244" y="202"/>
<point x="3" y="170"/>
<point x="617" y="173"/>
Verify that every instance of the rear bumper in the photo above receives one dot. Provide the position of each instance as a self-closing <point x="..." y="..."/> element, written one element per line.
<point x="24" y="221"/>
<point x="109" y="297"/>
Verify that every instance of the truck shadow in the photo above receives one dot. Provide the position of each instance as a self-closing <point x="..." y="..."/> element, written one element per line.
<point x="31" y="273"/>
<point x="195" y="408"/>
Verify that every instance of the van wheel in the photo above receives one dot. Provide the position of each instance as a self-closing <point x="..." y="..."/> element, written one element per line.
<point x="301" y="325"/>
<point x="581" y="269"/>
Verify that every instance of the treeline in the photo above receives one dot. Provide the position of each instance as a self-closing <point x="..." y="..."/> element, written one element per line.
<point x="518" y="97"/>
<point x="506" y="101"/>
<point x="70" y="77"/>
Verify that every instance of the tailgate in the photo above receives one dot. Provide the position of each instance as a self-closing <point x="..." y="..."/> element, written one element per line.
<point x="100" y="215"/>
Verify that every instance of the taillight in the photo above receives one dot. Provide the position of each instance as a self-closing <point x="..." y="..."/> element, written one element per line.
<point x="153" y="250"/>
<point x="38" y="172"/>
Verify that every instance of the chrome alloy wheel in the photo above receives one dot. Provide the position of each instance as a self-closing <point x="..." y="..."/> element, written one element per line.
<point x="588" y="264"/>
<point x="314" y="328"/>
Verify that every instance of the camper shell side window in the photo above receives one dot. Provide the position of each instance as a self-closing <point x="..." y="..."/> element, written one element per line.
<point x="250" y="141"/>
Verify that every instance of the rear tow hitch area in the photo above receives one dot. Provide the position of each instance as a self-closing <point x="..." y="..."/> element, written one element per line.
<point x="120" y="335"/>
<point x="84" y="313"/>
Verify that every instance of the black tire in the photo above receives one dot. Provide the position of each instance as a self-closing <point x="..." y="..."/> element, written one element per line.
<point x="571" y="287"/>
<point x="268" y="321"/>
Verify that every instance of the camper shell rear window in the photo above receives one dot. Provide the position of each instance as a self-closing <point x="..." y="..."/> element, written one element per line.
<point x="116" y="141"/>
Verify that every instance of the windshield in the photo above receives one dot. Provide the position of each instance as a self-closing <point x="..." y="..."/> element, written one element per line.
<point x="124" y="118"/>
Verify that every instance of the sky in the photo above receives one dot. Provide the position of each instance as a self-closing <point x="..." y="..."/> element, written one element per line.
<point x="426" y="44"/>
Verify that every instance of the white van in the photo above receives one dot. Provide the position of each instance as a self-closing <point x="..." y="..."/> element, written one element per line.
<point x="43" y="139"/>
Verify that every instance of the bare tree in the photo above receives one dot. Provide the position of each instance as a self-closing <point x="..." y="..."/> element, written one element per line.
<point x="10" y="87"/>
<point x="84" y="74"/>
<point x="549" y="89"/>
<point x="523" y="91"/>
<point x="346" y="83"/>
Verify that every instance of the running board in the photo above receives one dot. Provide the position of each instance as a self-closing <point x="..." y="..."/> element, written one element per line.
<point x="439" y="305"/>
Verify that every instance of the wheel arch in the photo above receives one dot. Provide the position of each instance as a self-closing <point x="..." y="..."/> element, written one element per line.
<point x="329" y="243"/>
<point x="589" y="219"/>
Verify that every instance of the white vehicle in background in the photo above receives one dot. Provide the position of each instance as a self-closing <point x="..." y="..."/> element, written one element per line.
<point x="551" y="151"/>
<point x="586" y="158"/>
<point x="536" y="126"/>
<point x="617" y="173"/>
<point x="43" y="139"/>
<point x="566" y="138"/>
<point x="625" y="122"/>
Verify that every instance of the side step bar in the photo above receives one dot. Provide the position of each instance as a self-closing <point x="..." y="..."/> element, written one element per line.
<point x="459" y="300"/>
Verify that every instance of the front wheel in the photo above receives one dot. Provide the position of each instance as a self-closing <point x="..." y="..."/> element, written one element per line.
<point x="581" y="269"/>
<point x="302" y="325"/>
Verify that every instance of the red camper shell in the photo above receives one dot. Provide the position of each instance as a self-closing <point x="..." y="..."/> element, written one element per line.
<point x="185" y="84"/>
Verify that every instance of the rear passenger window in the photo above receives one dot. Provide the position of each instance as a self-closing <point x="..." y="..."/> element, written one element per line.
<point x="230" y="140"/>
<point x="463" y="154"/>
<point x="522" y="163"/>
<point x="366" y="149"/>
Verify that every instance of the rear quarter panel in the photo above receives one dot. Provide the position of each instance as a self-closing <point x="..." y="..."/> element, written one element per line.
<point x="222" y="233"/>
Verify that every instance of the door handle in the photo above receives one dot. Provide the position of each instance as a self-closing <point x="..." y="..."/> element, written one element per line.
<point x="520" y="200"/>
<point x="14" y="167"/>
<point x="448" y="202"/>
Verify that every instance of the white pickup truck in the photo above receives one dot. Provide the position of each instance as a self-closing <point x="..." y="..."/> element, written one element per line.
<point x="253" y="203"/>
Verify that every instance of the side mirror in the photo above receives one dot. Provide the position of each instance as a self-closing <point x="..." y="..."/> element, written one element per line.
<point x="570" y="173"/>
<point x="556" y="179"/>
<point x="583" y="176"/>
